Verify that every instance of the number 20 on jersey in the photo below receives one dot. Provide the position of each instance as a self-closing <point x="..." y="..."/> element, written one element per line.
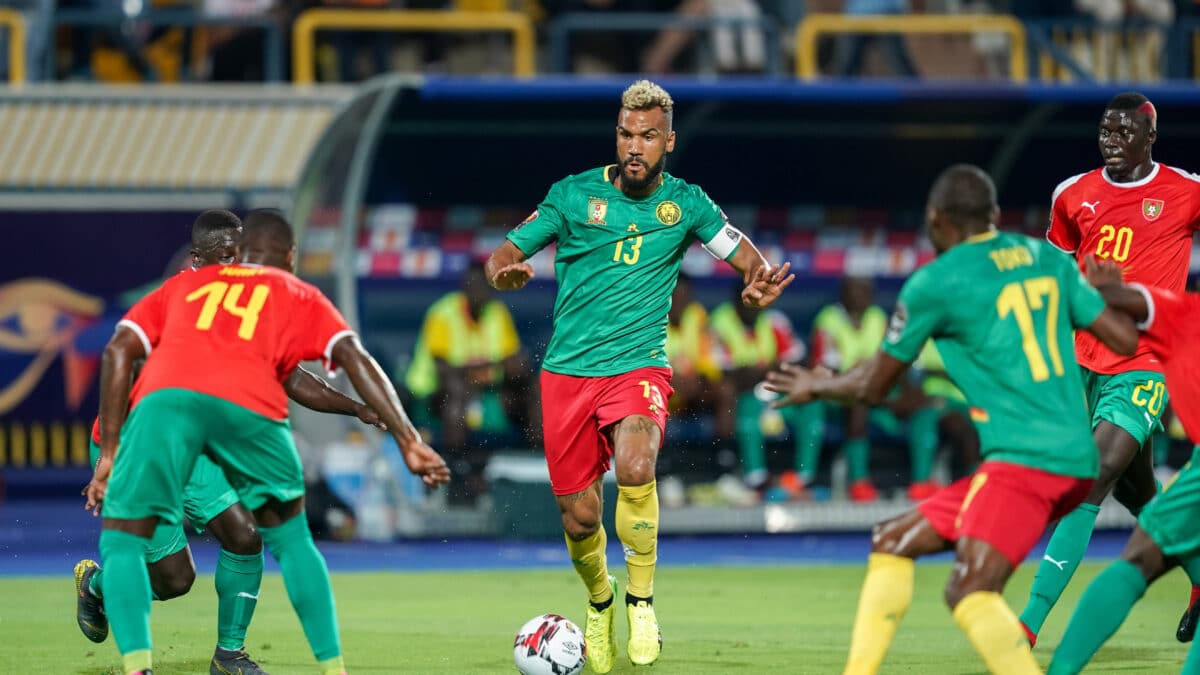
<point x="1114" y="243"/>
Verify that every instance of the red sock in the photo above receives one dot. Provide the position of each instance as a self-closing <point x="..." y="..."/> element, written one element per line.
<point x="1195" y="596"/>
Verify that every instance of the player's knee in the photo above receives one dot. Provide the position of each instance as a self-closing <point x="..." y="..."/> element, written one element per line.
<point x="636" y="471"/>
<point x="884" y="539"/>
<point x="244" y="540"/>
<point x="174" y="585"/>
<point x="580" y="529"/>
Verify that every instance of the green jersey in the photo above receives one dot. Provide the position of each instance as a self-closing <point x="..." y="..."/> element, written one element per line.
<point x="617" y="262"/>
<point x="1001" y="309"/>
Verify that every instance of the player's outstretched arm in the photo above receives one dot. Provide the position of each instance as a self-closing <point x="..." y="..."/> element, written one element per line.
<point x="375" y="388"/>
<point x="764" y="282"/>
<point x="116" y="378"/>
<point x="1116" y="329"/>
<point x="869" y="382"/>
<point x="506" y="268"/>
<point x="314" y="393"/>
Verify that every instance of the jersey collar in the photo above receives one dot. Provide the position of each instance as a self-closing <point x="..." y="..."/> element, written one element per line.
<point x="1137" y="183"/>
<point x="982" y="236"/>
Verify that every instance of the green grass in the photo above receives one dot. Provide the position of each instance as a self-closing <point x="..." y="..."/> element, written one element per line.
<point x="715" y="620"/>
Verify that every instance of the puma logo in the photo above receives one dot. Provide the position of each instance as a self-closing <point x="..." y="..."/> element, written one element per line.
<point x="1091" y="206"/>
<point x="248" y="596"/>
<point x="1060" y="564"/>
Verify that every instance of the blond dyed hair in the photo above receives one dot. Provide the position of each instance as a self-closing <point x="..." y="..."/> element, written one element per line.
<point x="645" y="95"/>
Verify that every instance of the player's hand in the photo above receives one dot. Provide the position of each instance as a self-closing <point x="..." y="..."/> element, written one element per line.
<point x="767" y="284"/>
<point x="794" y="382"/>
<point x="367" y="415"/>
<point x="424" y="461"/>
<point x="98" y="487"/>
<point x="514" y="276"/>
<point x="1102" y="272"/>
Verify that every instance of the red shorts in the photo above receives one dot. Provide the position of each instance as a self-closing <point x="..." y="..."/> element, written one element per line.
<point x="1006" y="505"/>
<point x="576" y="414"/>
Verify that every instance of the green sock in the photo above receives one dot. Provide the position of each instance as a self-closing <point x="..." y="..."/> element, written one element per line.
<point x="94" y="585"/>
<point x="1063" y="553"/>
<point x="750" y="437"/>
<point x="858" y="457"/>
<point x="809" y="429"/>
<point x="1100" y="612"/>
<point x="923" y="442"/>
<point x="238" y="580"/>
<point x="128" y="603"/>
<point x="307" y="581"/>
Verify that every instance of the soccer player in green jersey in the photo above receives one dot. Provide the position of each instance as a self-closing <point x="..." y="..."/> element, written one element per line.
<point x="621" y="233"/>
<point x="1001" y="309"/>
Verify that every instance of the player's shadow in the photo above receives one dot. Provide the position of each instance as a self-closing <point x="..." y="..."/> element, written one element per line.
<point x="167" y="665"/>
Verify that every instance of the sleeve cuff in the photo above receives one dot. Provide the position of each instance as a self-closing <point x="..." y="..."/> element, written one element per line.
<point x="137" y="330"/>
<point x="1145" y="325"/>
<point x="327" y="357"/>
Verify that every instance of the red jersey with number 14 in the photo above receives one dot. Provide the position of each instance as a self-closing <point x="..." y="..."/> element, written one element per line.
<point x="1146" y="226"/>
<point x="1172" y="331"/>
<point x="235" y="332"/>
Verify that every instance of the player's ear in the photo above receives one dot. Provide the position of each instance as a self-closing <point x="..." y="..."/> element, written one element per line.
<point x="1152" y="136"/>
<point x="291" y="259"/>
<point x="670" y="147"/>
<point x="196" y="260"/>
<point x="996" y="217"/>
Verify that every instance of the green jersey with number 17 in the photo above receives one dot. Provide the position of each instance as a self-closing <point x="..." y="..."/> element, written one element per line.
<point x="1001" y="309"/>
<point x="617" y="262"/>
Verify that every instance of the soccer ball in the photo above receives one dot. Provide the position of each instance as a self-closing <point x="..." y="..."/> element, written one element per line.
<point x="549" y="645"/>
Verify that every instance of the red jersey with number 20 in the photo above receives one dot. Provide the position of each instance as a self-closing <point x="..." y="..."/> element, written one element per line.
<point x="1172" y="331"/>
<point x="235" y="332"/>
<point x="1146" y="226"/>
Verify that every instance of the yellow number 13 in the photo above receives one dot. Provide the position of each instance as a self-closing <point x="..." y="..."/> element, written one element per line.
<point x="1021" y="300"/>
<point x="221" y="295"/>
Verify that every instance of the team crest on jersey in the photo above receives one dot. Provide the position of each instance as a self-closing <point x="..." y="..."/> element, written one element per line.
<point x="668" y="213"/>
<point x="1152" y="208"/>
<point x="597" y="210"/>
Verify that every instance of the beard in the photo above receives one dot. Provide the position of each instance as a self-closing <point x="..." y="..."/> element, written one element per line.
<point x="651" y="174"/>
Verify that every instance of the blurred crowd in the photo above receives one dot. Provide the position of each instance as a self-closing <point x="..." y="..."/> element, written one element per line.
<point x="172" y="40"/>
<point x="473" y="389"/>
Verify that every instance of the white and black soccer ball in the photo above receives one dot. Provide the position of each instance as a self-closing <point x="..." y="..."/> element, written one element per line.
<point x="550" y="645"/>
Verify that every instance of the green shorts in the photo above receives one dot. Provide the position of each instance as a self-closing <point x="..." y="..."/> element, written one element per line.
<point x="1170" y="518"/>
<point x="205" y="496"/>
<point x="171" y="429"/>
<point x="1134" y="401"/>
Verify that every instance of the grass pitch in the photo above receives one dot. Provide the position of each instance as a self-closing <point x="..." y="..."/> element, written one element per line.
<point x="715" y="620"/>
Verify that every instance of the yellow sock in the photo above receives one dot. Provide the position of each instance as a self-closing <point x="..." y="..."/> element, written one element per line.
<point x="994" y="630"/>
<point x="637" y="527"/>
<point x="886" y="594"/>
<point x="591" y="564"/>
<point x="137" y="661"/>
<point x="334" y="666"/>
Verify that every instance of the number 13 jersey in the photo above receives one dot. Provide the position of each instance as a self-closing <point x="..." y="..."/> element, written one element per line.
<point x="1145" y="226"/>
<point x="235" y="332"/>
<point x="617" y="261"/>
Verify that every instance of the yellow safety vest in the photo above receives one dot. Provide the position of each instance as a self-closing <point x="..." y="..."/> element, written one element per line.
<point x="851" y="344"/>
<point x="937" y="383"/>
<point x="759" y="351"/>
<point x="690" y="340"/>
<point x="460" y="341"/>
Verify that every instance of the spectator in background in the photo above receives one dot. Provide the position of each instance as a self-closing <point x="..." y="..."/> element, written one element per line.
<point x="942" y="408"/>
<point x="1124" y="53"/>
<point x="236" y="54"/>
<point x="849" y="49"/>
<point x="470" y="372"/>
<point x="695" y="372"/>
<point x="38" y="33"/>
<point x="751" y="343"/>
<point x="595" y="52"/>
<point x="843" y="335"/>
